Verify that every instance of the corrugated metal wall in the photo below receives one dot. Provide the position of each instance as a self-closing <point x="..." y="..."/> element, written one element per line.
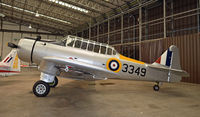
<point x="189" y="47"/>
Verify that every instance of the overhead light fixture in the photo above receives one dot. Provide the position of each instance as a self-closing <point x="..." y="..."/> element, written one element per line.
<point x="31" y="12"/>
<point x="2" y="15"/>
<point x="30" y="26"/>
<point x="69" y="5"/>
<point x="37" y="14"/>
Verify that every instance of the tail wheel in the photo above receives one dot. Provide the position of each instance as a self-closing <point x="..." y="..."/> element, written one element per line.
<point x="41" y="88"/>
<point x="54" y="83"/>
<point x="156" y="87"/>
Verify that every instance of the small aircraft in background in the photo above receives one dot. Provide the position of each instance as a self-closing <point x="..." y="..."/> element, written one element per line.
<point x="79" y="58"/>
<point x="10" y="65"/>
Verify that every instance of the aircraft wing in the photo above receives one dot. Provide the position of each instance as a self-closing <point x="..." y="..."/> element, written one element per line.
<point x="174" y="71"/>
<point x="96" y="71"/>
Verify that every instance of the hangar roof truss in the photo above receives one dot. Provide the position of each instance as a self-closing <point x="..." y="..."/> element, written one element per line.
<point x="61" y="16"/>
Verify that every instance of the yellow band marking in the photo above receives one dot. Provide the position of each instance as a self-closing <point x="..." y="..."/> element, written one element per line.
<point x="129" y="59"/>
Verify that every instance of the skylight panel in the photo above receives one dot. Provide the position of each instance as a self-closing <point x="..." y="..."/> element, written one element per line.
<point x="69" y="6"/>
<point x="31" y="12"/>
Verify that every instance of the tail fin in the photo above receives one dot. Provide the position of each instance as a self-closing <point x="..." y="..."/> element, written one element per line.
<point x="12" y="61"/>
<point x="170" y="58"/>
<point x="169" y="62"/>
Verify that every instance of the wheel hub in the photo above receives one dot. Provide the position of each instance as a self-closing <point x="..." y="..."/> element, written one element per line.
<point x="40" y="89"/>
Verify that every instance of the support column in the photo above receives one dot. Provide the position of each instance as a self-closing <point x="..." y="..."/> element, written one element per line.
<point x="90" y="28"/>
<point x="2" y="44"/>
<point x="108" y="30"/>
<point x="133" y="28"/>
<point x="20" y="27"/>
<point x="172" y="18"/>
<point x="98" y="32"/>
<point x="164" y="17"/>
<point x="134" y="34"/>
<point x="146" y="25"/>
<point x="76" y="33"/>
<point x="198" y="16"/>
<point x="90" y="32"/>
<point x="1" y="23"/>
<point x="140" y="29"/>
<point x="122" y="27"/>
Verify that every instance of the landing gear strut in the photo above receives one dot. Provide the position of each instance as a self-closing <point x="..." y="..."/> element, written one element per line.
<point x="156" y="86"/>
<point x="42" y="87"/>
<point x="54" y="83"/>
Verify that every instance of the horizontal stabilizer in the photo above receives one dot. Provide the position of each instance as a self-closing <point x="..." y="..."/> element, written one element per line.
<point x="173" y="71"/>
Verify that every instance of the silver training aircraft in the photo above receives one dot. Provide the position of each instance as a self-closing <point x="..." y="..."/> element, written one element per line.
<point x="79" y="58"/>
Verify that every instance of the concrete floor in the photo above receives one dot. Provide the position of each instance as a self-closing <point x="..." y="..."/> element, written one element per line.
<point x="110" y="98"/>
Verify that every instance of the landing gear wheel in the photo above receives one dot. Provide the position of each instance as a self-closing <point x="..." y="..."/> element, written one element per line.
<point x="54" y="83"/>
<point x="156" y="87"/>
<point x="41" y="88"/>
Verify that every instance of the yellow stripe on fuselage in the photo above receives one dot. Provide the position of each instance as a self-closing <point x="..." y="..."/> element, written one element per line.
<point x="129" y="59"/>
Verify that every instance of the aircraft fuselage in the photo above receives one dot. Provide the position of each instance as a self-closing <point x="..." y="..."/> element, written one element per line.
<point x="124" y="67"/>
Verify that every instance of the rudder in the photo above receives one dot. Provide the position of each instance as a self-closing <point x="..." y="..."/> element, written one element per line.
<point x="170" y="58"/>
<point x="12" y="61"/>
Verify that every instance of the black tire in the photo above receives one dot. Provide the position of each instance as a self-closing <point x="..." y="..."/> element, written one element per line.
<point x="156" y="88"/>
<point x="41" y="88"/>
<point x="54" y="83"/>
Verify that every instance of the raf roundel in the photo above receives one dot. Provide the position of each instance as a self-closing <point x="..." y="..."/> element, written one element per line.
<point x="114" y="65"/>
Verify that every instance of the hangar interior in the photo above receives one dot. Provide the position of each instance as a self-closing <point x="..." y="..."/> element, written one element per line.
<point x="139" y="29"/>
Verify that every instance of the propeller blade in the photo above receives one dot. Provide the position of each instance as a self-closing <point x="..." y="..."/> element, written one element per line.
<point x="12" y="45"/>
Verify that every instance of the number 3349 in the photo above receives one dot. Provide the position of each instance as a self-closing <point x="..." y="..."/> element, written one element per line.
<point x="131" y="70"/>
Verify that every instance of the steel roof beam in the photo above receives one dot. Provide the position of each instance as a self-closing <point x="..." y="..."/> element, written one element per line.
<point x="111" y="3"/>
<point x="23" y="10"/>
<point x="38" y="6"/>
<point x="101" y="4"/>
<point x="31" y="32"/>
<point x="128" y="4"/>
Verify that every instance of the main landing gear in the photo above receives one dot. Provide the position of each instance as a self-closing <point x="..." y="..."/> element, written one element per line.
<point x="54" y="83"/>
<point x="156" y="87"/>
<point x="42" y="87"/>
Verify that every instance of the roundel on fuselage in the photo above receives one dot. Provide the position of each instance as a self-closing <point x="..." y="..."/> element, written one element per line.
<point x="113" y="64"/>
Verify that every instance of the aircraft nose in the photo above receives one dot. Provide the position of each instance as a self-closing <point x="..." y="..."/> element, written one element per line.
<point x="24" y="50"/>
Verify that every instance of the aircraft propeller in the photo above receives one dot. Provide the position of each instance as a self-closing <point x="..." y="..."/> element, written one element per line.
<point x="12" y="45"/>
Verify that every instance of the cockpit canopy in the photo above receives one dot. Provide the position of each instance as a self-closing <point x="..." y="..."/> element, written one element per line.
<point x="89" y="45"/>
